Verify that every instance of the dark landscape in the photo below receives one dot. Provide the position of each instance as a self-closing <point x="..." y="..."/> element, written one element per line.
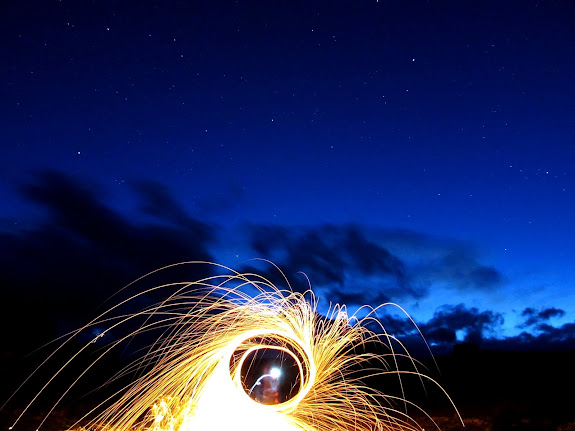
<point x="492" y="390"/>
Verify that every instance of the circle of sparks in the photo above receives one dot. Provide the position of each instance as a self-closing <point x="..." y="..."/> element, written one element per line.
<point x="196" y="374"/>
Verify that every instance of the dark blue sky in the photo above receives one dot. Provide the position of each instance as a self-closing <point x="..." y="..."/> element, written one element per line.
<point x="417" y="152"/>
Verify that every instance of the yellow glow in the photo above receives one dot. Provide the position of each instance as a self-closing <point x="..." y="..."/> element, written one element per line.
<point x="193" y="378"/>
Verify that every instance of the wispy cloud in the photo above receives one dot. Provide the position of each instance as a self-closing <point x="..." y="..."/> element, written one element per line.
<point x="66" y="265"/>
<point x="83" y="251"/>
<point x="360" y="264"/>
<point x="538" y="317"/>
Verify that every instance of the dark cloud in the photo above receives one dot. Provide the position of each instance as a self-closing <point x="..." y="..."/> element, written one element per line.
<point x="356" y="265"/>
<point x="459" y="269"/>
<point x="543" y="337"/>
<point x="83" y="251"/>
<point x="440" y="331"/>
<point x="441" y="335"/>
<point x="157" y="202"/>
<point x="300" y="250"/>
<point x="431" y="260"/>
<point x="475" y="324"/>
<point x="370" y="258"/>
<point x="538" y="317"/>
<point x="551" y="312"/>
<point x="478" y="328"/>
<point x="78" y="216"/>
<point x="340" y="259"/>
<point x="398" y="326"/>
<point x="57" y="272"/>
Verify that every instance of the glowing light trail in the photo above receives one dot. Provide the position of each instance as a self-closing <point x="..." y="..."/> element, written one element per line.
<point x="229" y="360"/>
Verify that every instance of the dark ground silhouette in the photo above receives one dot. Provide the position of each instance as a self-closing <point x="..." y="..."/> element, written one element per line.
<point x="492" y="390"/>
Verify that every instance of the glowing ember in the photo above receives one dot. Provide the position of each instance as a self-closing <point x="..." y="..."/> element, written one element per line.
<point x="230" y="360"/>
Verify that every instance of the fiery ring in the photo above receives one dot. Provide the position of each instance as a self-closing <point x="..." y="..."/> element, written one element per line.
<point x="190" y="378"/>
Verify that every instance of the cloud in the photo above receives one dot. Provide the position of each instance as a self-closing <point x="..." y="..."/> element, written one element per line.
<point x="339" y="259"/>
<point x="434" y="260"/>
<point x="357" y="265"/>
<point x="83" y="251"/>
<point x="475" y="324"/>
<point x="481" y="327"/>
<point x="535" y="317"/>
<point x="349" y="263"/>
<point x="157" y="202"/>
<point x="458" y="268"/>
<point x="450" y="324"/>
<point x="544" y="337"/>
<point x="57" y="272"/>
<point x="91" y="229"/>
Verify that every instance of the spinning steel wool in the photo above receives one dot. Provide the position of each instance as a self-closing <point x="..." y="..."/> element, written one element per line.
<point x="236" y="352"/>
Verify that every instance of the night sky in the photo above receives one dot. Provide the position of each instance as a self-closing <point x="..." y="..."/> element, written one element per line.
<point x="417" y="152"/>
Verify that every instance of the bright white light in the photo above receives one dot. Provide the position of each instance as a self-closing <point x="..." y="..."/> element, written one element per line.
<point x="275" y="373"/>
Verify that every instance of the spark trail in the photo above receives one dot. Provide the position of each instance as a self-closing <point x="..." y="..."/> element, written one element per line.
<point x="237" y="352"/>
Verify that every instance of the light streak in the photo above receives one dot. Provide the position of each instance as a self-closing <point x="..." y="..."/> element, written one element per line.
<point x="227" y="359"/>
